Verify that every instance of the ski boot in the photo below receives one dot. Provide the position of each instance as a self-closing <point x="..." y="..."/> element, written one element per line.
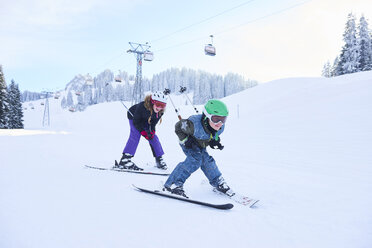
<point x="177" y="190"/>
<point x="126" y="163"/>
<point x="160" y="163"/>
<point x="223" y="188"/>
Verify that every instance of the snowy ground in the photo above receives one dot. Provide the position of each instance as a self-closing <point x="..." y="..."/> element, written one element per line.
<point x="302" y="146"/>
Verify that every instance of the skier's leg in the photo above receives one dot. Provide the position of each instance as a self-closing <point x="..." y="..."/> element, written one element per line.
<point x="210" y="169"/>
<point x="156" y="147"/>
<point x="214" y="175"/>
<point x="157" y="152"/>
<point x="152" y="150"/>
<point x="184" y="169"/>
<point x="133" y="139"/>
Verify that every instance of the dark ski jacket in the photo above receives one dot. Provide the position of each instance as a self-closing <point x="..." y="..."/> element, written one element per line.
<point x="141" y="115"/>
<point x="197" y="129"/>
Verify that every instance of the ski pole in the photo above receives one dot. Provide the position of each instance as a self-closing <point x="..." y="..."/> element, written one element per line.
<point x="182" y="90"/>
<point x="167" y="92"/>
<point x="127" y="108"/>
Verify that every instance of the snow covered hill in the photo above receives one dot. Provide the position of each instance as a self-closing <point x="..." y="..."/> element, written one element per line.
<point x="301" y="145"/>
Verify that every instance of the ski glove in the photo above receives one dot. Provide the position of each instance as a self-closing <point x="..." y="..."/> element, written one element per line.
<point x="215" y="144"/>
<point x="188" y="142"/>
<point x="148" y="135"/>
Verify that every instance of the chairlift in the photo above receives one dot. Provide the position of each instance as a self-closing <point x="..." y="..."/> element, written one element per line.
<point x="78" y="93"/>
<point x="118" y="79"/>
<point x="72" y="109"/>
<point x="148" y="56"/>
<point x="41" y="103"/>
<point x="209" y="49"/>
<point x="89" y="81"/>
<point x="57" y="95"/>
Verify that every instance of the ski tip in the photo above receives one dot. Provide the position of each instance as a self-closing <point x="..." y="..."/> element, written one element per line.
<point x="229" y="206"/>
<point x="253" y="204"/>
<point x="135" y="187"/>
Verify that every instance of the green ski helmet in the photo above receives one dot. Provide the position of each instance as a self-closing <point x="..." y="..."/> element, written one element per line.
<point x="216" y="111"/>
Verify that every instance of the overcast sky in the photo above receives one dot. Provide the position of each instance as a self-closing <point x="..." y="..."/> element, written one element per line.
<point x="44" y="44"/>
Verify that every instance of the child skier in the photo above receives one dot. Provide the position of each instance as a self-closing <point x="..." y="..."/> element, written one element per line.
<point x="195" y="134"/>
<point x="143" y="118"/>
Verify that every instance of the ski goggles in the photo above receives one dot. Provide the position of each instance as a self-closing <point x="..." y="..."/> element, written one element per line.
<point x="216" y="119"/>
<point x="158" y="104"/>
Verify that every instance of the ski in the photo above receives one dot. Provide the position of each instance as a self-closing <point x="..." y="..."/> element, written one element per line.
<point x="128" y="171"/>
<point x="244" y="200"/>
<point x="206" y="204"/>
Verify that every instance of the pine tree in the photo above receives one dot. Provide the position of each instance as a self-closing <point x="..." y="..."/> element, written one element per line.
<point x="336" y="69"/>
<point x="349" y="58"/>
<point x="80" y="103"/>
<point x="365" y="44"/>
<point x="19" y="108"/>
<point x="326" y="72"/>
<point x="70" y="101"/>
<point x="3" y="101"/>
<point x="64" y="102"/>
<point x="15" y="106"/>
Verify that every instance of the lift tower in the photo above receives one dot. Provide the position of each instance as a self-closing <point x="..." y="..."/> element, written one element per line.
<point x="142" y="51"/>
<point x="46" y="118"/>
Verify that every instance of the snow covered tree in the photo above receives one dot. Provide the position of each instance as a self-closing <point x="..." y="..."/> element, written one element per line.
<point x="365" y="45"/>
<point x="103" y="88"/>
<point x="3" y="101"/>
<point x="64" y="102"/>
<point x="88" y="96"/>
<point x="349" y="58"/>
<point x="70" y="101"/>
<point x="326" y="72"/>
<point x="108" y="93"/>
<point x="30" y="96"/>
<point x="336" y="69"/>
<point x="205" y="89"/>
<point x="15" y="107"/>
<point x="217" y="86"/>
<point x="80" y="103"/>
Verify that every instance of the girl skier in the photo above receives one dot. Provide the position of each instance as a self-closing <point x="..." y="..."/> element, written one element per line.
<point x="143" y="118"/>
<point x="195" y="134"/>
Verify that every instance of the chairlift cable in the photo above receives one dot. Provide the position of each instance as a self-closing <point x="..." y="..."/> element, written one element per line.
<point x="263" y="17"/>
<point x="204" y="20"/>
<point x="108" y="62"/>
<point x="237" y="26"/>
<point x="182" y="29"/>
<point x="216" y="33"/>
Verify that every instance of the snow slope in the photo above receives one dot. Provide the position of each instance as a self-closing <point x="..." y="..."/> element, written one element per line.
<point x="301" y="145"/>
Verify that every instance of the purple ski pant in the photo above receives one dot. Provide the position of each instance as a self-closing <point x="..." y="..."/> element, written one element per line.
<point x="134" y="139"/>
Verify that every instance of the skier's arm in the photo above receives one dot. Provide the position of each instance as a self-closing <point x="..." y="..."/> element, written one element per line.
<point x="138" y="118"/>
<point x="183" y="129"/>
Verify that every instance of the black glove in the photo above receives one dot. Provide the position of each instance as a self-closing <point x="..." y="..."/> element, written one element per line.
<point x="190" y="142"/>
<point x="215" y="144"/>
